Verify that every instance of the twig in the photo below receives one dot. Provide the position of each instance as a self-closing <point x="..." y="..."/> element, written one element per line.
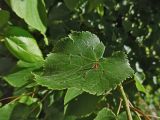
<point x="151" y="116"/>
<point x="147" y="117"/>
<point x="14" y="97"/>
<point x="120" y="105"/>
<point x="138" y="115"/>
<point x="141" y="113"/>
<point x="126" y="102"/>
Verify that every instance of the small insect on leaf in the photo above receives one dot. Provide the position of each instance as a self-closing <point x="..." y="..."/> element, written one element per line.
<point x="96" y="65"/>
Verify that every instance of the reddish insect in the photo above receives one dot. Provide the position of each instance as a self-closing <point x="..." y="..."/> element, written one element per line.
<point x="95" y="66"/>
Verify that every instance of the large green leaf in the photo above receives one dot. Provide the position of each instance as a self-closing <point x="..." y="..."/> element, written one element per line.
<point x="105" y="114"/>
<point x="32" y="11"/>
<point x="4" y="15"/>
<point x="78" y="62"/>
<point x="22" y="45"/>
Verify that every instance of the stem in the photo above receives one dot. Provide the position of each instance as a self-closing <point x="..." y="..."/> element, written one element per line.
<point x="120" y="104"/>
<point x="126" y="102"/>
<point x="45" y="39"/>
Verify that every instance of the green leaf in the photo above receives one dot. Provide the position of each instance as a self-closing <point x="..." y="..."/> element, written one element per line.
<point x="32" y="11"/>
<point x="19" y="78"/>
<point x="4" y="15"/>
<point x="22" y="45"/>
<point x="71" y="94"/>
<point x="27" y="100"/>
<point x="105" y="114"/>
<point x="78" y="62"/>
<point x="139" y="77"/>
<point x="83" y="105"/>
<point x="100" y="9"/>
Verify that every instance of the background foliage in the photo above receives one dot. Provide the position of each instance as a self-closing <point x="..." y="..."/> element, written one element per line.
<point x="30" y="29"/>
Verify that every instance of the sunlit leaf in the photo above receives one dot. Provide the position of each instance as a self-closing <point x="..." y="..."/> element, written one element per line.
<point x="22" y="45"/>
<point x="32" y="11"/>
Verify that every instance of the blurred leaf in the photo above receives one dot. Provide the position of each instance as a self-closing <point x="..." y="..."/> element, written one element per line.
<point x="59" y="12"/>
<point x="49" y="3"/>
<point x="100" y="9"/>
<point x="139" y="77"/>
<point x="32" y="11"/>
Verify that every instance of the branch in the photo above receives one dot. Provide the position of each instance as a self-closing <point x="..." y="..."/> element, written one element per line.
<point x="126" y="102"/>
